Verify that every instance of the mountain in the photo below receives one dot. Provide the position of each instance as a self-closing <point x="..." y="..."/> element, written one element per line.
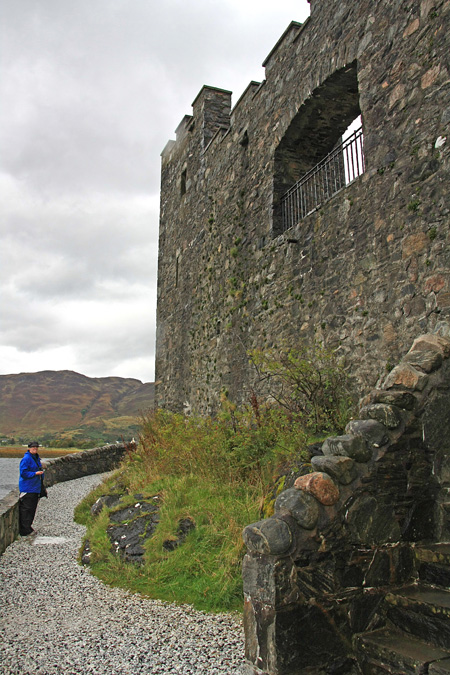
<point x="58" y="402"/>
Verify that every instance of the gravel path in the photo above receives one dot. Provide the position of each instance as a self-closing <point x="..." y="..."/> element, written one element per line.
<point x="56" y="618"/>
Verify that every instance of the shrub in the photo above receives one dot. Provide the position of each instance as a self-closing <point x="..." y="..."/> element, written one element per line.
<point x="307" y="382"/>
<point x="239" y="445"/>
<point x="218" y="472"/>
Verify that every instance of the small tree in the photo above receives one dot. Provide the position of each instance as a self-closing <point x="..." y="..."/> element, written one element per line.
<point x="308" y="382"/>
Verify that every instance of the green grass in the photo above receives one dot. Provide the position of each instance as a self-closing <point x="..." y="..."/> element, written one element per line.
<point x="205" y="571"/>
<point x="222" y="474"/>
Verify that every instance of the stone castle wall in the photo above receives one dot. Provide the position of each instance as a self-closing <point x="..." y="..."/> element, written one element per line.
<point x="367" y="271"/>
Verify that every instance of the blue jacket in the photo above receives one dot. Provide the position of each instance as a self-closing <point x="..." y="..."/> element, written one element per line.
<point x="28" y="481"/>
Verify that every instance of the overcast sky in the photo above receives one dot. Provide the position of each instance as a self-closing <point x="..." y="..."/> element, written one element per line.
<point x="90" y="92"/>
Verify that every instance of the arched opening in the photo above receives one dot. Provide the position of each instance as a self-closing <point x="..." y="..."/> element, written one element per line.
<point x="314" y="152"/>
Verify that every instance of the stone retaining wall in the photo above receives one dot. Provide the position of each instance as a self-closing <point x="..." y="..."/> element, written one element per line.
<point x="96" y="460"/>
<point x="344" y="531"/>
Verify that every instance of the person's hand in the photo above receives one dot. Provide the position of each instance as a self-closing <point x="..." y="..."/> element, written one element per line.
<point x="39" y="473"/>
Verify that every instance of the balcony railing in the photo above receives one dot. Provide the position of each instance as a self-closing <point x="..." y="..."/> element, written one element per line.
<point x="339" y="168"/>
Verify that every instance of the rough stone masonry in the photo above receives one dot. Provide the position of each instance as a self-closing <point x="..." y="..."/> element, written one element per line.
<point x="366" y="270"/>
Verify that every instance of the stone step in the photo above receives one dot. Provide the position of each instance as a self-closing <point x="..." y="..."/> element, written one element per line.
<point x="439" y="668"/>
<point x="433" y="564"/>
<point x="433" y="553"/>
<point x="385" y="651"/>
<point x="421" y="611"/>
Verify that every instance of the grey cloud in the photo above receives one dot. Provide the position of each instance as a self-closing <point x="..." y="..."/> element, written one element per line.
<point x="91" y="92"/>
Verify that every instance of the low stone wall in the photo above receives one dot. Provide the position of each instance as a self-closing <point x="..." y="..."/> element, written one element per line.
<point x="97" y="460"/>
<point x="9" y="519"/>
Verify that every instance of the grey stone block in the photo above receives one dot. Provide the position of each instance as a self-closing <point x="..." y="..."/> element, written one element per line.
<point x="340" y="468"/>
<point x="271" y="536"/>
<point x="300" y="505"/>
<point x="383" y="413"/>
<point x="373" y="432"/>
<point x="348" y="445"/>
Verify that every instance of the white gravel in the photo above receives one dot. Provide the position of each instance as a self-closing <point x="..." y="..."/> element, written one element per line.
<point x="56" y="618"/>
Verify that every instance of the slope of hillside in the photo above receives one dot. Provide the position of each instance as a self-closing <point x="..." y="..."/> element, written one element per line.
<point x="51" y="402"/>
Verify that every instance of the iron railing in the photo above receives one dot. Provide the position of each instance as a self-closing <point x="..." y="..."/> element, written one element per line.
<point x="339" y="168"/>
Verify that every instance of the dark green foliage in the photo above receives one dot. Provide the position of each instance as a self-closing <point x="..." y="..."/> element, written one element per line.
<point x="308" y="383"/>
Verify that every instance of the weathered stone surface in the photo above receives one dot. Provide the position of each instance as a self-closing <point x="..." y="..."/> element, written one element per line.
<point x="441" y="667"/>
<point x="434" y="340"/>
<point x="348" y="445"/>
<point x="271" y="536"/>
<point x="372" y="431"/>
<point x="423" y="612"/>
<point x="406" y="377"/>
<point x="105" y="500"/>
<point x="270" y="580"/>
<point x="290" y="631"/>
<point x="340" y="468"/>
<point x="138" y="509"/>
<point x="9" y="519"/>
<point x="420" y="522"/>
<point x="185" y="525"/>
<point x="131" y="526"/>
<point x="320" y="485"/>
<point x="314" y="449"/>
<point x="383" y="413"/>
<point x="424" y="356"/>
<point x="362" y="611"/>
<point x="404" y="400"/>
<point x="390" y="651"/>
<point x="443" y="300"/>
<point x="372" y="523"/>
<point x="435" y="574"/>
<point x="300" y="505"/>
<point x="414" y="243"/>
<point x="127" y="539"/>
<point x="379" y="572"/>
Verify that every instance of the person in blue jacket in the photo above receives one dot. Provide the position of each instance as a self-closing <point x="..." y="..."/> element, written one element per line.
<point x="30" y="483"/>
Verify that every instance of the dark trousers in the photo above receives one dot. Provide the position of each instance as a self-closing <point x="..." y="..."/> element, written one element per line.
<point x="27" y="509"/>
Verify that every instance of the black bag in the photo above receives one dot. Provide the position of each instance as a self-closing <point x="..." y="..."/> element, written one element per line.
<point x="43" y="489"/>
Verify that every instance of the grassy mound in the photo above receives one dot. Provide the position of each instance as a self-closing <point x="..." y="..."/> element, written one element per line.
<point x="216" y="472"/>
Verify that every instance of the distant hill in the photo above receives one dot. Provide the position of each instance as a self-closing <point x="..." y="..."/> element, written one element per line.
<point x="63" y="403"/>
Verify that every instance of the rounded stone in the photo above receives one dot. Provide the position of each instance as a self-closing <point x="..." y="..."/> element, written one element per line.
<point x="383" y="413"/>
<point x="372" y="431"/>
<point x="300" y="505"/>
<point x="394" y="397"/>
<point x="342" y="469"/>
<point x="271" y="536"/>
<point x="424" y="359"/>
<point x="348" y="445"/>
<point x="320" y="486"/>
<point x="405" y="376"/>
